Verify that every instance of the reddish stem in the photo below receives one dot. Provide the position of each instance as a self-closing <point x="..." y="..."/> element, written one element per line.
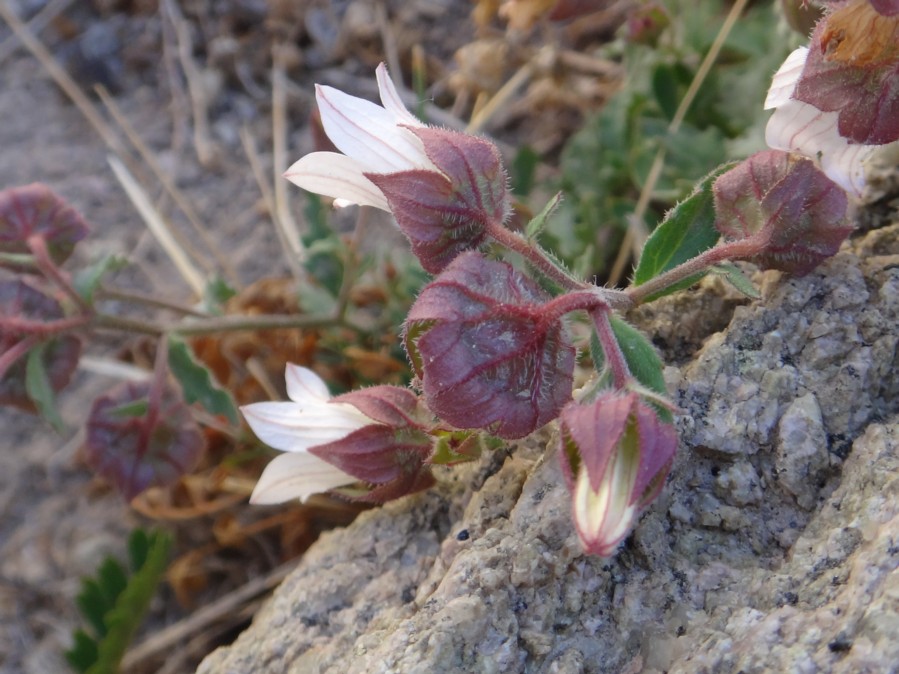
<point x="38" y="246"/>
<point x="730" y="250"/>
<point x="621" y="374"/>
<point x="9" y="357"/>
<point x="532" y="254"/>
<point x="43" y="329"/>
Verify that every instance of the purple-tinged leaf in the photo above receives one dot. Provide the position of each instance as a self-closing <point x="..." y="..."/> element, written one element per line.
<point x="22" y="304"/>
<point x="445" y="214"/>
<point x="391" y="405"/>
<point x="137" y="452"/>
<point x="853" y="68"/>
<point x="36" y="210"/>
<point x="886" y="7"/>
<point x="793" y="213"/>
<point x="489" y="356"/>
<point x="391" y="459"/>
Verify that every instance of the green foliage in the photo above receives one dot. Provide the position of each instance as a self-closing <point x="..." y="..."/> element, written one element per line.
<point x="605" y="165"/>
<point x="196" y="382"/>
<point x="523" y="171"/>
<point x="641" y="357"/>
<point x="735" y="276"/>
<point x="216" y="293"/>
<point x="114" y="603"/>
<point x="325" y="254"/>
<point x="538" y="222"/>
<point x="87" y="279"/>
<point x="687" y="230"/>
<point x="40" y="389"/>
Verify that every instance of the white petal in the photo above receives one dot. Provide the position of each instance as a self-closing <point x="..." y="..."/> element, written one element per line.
<point x="303" y="384"/>
<point x="338" y="176"/>
<point x="291" y="427"/>
<point x="368" y="133"/>
<point x="291" y="476"/>
<point x="390" y="98"/>
<point x="799" y="127"/>
<point x="784" y="81"/>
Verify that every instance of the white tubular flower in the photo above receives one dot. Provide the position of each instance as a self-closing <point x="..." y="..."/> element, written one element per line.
<point x="294" y="427"/>
<point x="373" y="139"/>
<point x="802" y="128"/>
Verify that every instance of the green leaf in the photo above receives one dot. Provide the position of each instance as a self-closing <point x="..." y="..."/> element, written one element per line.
<point x="40" y="389"/>
<point x="665" y="89"/>
<point x="138" y="548"/>
<point x="686" y="231"/>
<point x="83" y="652"/>
<point x="641" y="357"/>
<point x="196" y="381"/>
<point x="112" y="579"/>
<point x="735" y="276"/>
<point x="93" y="604"/>
<point x="535" y="226"/>
<point x="456" y="447"/>
<point x="87" y="280"/>
<point x="114" y="604"/>
<point x="125" y="617"/>
<point x="523" y="170"/>
<point x="133" y="409"/>
<point x="216" y="293"/>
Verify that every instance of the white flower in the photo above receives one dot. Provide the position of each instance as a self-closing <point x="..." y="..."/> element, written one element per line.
<point x="802" y="128"/>
<point x="294" y="427"/>
<point x="373" y="139"/>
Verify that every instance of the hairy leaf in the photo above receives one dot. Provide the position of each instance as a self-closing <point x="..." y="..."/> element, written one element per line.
<point x="135" y="453"/>
<point x="687" y="230"/>
<point x="36" y="210"/>
<point x="489" y="358"/>
<point x="51" y="371"/>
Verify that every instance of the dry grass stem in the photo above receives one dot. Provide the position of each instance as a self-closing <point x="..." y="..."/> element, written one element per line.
<point x="61" y="77"/>
<point x="208" y="152"/>
<point x="34" y="26"/>
<point x="249" y="146"/>
<point x="205" y="618"/>
<point x="284" y="220"/>
<point x="157" y="225"/>
<point x="180" y="199"/>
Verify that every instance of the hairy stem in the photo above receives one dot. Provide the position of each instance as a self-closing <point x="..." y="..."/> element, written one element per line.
<point x="621" y="374"/>
<point x="38" y="247"/>
<point x="730" y="250"/>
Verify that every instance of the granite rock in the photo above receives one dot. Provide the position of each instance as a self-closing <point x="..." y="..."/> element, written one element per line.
<point x="774" y="546"/>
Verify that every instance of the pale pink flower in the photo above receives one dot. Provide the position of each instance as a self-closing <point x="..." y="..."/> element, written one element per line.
<point x="309" y="420"/>
<point x="372" y="138"/>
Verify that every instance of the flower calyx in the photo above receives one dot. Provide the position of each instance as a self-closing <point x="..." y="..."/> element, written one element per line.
<point x="615" y="454"/>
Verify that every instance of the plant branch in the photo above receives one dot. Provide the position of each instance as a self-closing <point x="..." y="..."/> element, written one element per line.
<point x="148" y="300"/>
<point x="731" y="250"/>
<point x="534" y="255"/>
<point x="38" y="247"/>
<point x="621" y="374"/>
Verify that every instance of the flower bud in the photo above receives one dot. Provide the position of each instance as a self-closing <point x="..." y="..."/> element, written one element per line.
<point x="616" y="454"/>
<point x="793" y="213"/>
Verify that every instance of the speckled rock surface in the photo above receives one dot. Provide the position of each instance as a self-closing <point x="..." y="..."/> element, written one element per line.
<point x="774" y="547"/>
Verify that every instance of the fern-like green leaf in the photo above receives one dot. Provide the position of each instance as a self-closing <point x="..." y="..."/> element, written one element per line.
<point x="114" y="604"/>
<point x="125" y="617"/>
